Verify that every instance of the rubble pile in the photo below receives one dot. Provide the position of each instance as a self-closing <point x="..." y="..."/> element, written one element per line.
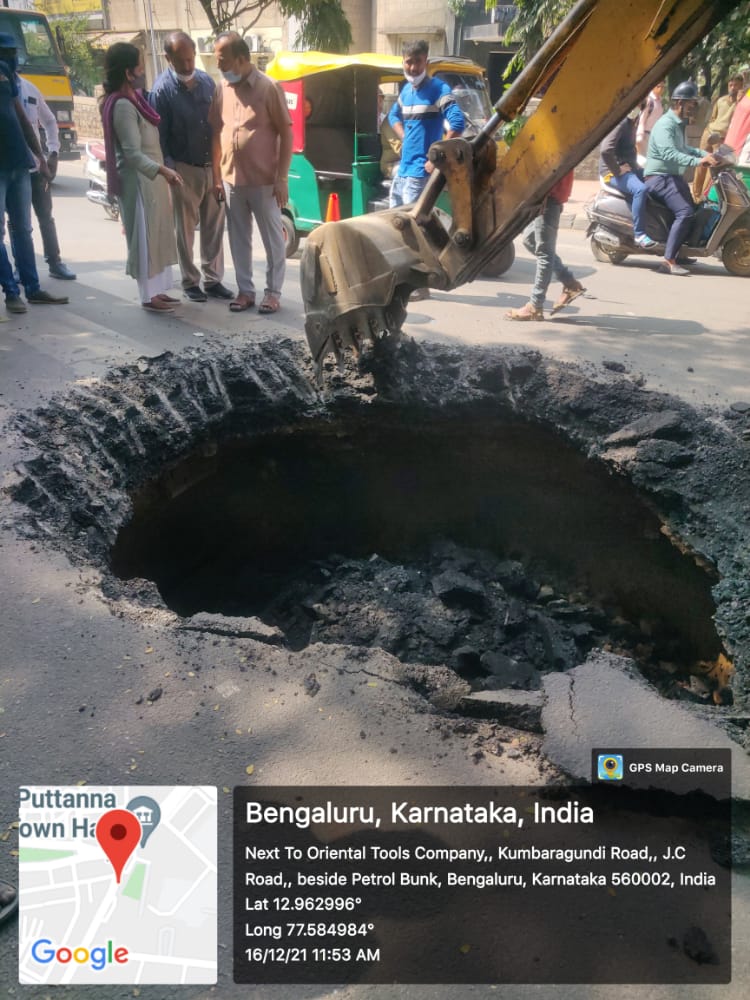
<point x="487" y="618"/>
<point x="657" y="494"/>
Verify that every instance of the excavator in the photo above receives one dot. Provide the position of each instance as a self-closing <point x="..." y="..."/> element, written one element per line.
<point x="357" y="275"/>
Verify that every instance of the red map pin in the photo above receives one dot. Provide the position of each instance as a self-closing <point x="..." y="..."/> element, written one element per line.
<point x="118" y="832"/>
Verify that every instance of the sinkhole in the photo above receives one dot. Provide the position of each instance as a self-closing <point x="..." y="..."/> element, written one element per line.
<point x="488" y="544"/>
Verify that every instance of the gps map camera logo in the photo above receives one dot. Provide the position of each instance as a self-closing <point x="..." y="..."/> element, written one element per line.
<point x="610" y="767"/>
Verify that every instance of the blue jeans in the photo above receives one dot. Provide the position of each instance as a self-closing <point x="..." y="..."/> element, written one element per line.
<point x="675" y="194"/>
<point x="405" y="190"/>
<point x="631" y="185"/>
<point x="15" y="199"/>
<point x="540" y="238"/>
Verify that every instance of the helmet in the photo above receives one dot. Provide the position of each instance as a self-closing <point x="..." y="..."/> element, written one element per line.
<point x="685" y="91"/>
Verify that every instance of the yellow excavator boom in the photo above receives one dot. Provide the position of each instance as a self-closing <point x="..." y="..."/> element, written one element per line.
<point x="603" y="59"/>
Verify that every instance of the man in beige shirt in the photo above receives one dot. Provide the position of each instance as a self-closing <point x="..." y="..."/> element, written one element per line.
<point x="252" y="150"/>
<point x="718" y="124"/>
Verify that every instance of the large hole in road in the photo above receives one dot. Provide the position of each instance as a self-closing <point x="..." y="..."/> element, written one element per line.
<point x="493" y="546"/>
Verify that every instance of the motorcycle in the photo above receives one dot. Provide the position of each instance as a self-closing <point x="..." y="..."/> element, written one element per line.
<point x="721" y="227"/>
<point x="95" y="168"/>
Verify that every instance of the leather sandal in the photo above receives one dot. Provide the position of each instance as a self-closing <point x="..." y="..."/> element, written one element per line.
<point x="166" y="298"/>
<point x="241" y="303"/>
<point x="525" y="314"/>
<point x="270" y="304"/>
<point x="164" y="309"/>
<point x="569" y="294"/>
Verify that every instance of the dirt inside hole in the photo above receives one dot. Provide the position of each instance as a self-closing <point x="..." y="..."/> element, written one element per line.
<point x="494" y="547"/>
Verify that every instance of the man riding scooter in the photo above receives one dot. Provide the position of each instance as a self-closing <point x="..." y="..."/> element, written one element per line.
<point x="669" y="157"/>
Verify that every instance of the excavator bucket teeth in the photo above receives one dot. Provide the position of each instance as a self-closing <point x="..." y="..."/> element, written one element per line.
<point x="356" y="278"/>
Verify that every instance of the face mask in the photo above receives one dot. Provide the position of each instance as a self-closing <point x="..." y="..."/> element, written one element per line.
<point x="11" y="62"/>
<point x="230" y="76"/>
<point x="138" y="82"/>
<point x="416" y="80"/>
<point x="182" y="77"/>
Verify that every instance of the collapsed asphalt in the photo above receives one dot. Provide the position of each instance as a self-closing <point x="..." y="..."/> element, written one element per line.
<point x="93" y="448"/>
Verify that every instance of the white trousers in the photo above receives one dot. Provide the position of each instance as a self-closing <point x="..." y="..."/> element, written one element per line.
<point x="161" y="282"/>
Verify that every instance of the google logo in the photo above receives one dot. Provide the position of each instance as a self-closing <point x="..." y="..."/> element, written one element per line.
<point x="99" y="957"/>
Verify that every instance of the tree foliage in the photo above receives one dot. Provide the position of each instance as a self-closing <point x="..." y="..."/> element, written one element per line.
<point x="82" y="60"/>
<point x="323" y="23"/>
<point x="722" y="52"/>
<point x="534" y="21"/>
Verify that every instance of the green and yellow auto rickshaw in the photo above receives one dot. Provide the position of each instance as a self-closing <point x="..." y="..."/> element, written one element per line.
<point x="333" y="103"/>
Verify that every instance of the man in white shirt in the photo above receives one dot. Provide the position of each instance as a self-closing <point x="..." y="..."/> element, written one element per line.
<point x="651" y="113"/>
<point x="39" y="113"/>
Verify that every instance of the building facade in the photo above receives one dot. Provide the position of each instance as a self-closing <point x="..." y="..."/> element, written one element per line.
<point x="377" y="26"/>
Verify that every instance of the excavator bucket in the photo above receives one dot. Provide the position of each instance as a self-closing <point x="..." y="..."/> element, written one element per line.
<point x="603" y="59"/>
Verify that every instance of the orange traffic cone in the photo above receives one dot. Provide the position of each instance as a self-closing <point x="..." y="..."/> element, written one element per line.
<point x="333" y="211"/>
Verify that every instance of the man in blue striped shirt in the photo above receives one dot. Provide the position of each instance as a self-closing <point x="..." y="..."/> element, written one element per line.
<point x="417" y="118"/>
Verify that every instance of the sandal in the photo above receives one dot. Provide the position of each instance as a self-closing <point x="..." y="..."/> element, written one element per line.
<point x="270" y="303"/>
<point x="8" y="901"/>
<point x="241" y="303"/>
<point x="525" y="313"/>
<point x="152" y="307"/>
<point x="569" y="293"/>
<point x="166" y="298"/>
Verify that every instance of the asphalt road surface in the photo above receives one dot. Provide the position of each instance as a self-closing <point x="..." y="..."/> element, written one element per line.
<point x="689" y="336"/>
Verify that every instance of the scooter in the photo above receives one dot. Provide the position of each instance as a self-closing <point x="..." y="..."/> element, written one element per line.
<point x="95" y="168"/>
<point x="721" y="228"/>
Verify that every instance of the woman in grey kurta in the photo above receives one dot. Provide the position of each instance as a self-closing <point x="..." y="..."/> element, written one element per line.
<point x="136" y="174"/>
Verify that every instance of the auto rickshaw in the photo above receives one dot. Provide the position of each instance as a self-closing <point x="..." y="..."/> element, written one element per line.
<point x="333" y="103"/>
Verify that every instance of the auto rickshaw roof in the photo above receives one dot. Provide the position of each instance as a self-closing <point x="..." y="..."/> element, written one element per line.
<point x="296" y="65"/>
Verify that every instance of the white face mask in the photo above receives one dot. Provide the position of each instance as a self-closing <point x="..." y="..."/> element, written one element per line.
<point x="230" y="76"/>
<point x="182" y="77"/>
<point x="416" y="80"/>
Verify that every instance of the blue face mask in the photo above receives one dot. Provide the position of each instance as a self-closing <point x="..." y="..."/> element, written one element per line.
<point x="11" y="62"/>
<point x="230" y="76"/>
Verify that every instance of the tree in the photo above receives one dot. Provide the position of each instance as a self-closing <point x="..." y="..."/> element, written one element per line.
<point x="81" y="59"/>
<point x="534" y="22"/>
<point x="722" y="52"/>
<point x="323" y="23"/>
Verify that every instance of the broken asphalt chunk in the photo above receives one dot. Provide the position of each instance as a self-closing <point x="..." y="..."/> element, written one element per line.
<point x="667" y="453"/>
<point x="240" y="628"/>
<point x="668" y="423"/>
<point x="457" y="590"/>
<point x="517" y="709"/>
<point x="507" y="672"/>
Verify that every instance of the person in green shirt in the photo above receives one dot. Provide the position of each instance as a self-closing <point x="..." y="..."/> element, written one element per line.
<point x="669" y="157"/>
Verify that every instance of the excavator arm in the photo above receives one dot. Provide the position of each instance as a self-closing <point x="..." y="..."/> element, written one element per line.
<point x="357" y="275"/>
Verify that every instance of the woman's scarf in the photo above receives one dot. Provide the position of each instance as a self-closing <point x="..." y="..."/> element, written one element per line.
<point x="108" y="110"/>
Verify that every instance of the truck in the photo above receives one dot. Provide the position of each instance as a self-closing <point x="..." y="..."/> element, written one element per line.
<point x="40" y="62"/>
<point x="598" y="64"/>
